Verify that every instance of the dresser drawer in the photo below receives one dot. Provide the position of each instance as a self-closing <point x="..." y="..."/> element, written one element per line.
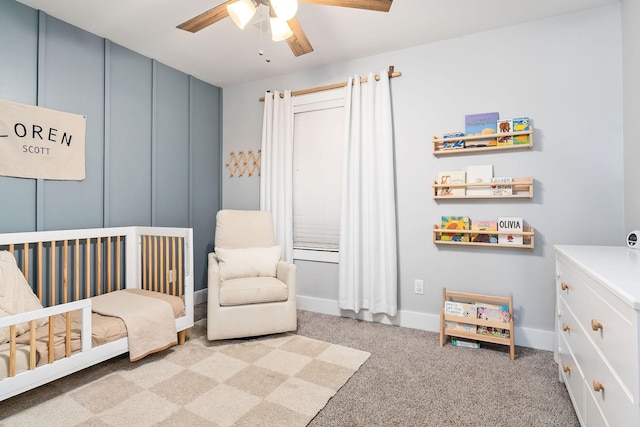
<point x="572" y="377"/>
<point x="607" y="322"/>
<point x="616" y="400"/>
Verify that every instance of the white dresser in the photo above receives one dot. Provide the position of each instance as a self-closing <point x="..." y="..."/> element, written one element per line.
<point x="598" y="307"/>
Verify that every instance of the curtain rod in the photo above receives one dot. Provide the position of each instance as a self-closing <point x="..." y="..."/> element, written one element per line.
<point x="392" y="74"/>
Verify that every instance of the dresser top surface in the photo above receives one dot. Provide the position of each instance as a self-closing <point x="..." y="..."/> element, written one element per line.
<point x="617" y="267"/>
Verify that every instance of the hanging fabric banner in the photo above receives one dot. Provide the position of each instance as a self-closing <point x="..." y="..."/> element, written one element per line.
<point x="37" y="142"/>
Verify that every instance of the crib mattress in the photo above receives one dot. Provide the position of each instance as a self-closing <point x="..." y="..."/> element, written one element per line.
<point x="104" y="329"/>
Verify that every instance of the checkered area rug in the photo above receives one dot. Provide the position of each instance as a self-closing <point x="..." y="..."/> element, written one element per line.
<point x="282" y="380"/>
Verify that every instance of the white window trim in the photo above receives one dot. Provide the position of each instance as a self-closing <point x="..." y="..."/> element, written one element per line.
<point x="316" y="255"/>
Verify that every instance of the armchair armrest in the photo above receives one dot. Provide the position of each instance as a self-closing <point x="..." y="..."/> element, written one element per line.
<point x="286" y="273"/>
<point x="213" y="280"/>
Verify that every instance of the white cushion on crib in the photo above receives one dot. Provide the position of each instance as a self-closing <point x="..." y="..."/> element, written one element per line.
<point x="16" y="295"/>
<point x="248" y="262"/>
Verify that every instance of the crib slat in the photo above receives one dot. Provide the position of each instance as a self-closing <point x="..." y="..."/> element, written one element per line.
<point x="155" y="262"/>
<point x="87" y="275"/>
<point x="77" y="271"/>
<point x="51" y="342"/>
<point x="52" y="295"/>
<point x="11" y="248"/>
<point x="32" y="345"/>
<point x="118" y="272"/>
<point x="166" y="270"/>
<point x="108" y="266"/>
<point x="160" y="264"/>
<point x="25" y="261"/>
<point x="181" y="241"/>
<point x="67" y="334"/>
<point x="65" y="273"/>
<point x="98" y="266"/>
<point x="173" y="265"/>
<point x="12" y="350"/>
<point x="40" y="271"/>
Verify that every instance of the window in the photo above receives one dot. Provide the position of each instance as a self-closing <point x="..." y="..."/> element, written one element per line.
<point x="317" y="172"/>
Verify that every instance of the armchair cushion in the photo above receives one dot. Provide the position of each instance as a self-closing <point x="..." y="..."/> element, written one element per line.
<point x="248" y="262"/>
<point x="252" y="290"/>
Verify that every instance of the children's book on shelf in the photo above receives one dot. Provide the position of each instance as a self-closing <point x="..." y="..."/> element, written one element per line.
<point x="481" y="124"/>
<point x="518" y="125"/>
<point x="484" y="225"/>
<point x="453" y="141"/>
<point x="455" y="223"/>
<point x="501" y="186"/>
<point x="504" y="126"/>
<point x="476" y="175"/>
<point x="451" y="177"/>
<point x="495" y="313"/>
<point x="510" y="224"/>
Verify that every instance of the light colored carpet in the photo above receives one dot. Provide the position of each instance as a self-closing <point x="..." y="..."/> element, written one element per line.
<point x="280" y="380"/>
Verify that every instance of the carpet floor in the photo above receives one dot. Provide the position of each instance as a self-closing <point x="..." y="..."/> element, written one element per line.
<point x="409" y="380"/>
<point x="278" y="380"/>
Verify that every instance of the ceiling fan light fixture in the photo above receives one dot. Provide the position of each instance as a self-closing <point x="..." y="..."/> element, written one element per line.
<point x="241" y="12"/>
<point x="280" y="30"/>
<point x="285" y="9"/>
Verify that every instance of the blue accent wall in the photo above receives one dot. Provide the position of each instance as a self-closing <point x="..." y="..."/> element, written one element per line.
<point x="152" y="147"/>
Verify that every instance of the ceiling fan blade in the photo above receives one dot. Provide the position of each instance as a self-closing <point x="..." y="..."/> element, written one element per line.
<point x="205" y="19"/>
<point x="298" y="42"/>
<point x="377" y="5"/>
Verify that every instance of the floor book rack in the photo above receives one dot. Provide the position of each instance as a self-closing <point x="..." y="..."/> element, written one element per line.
<point x="459" y="318"/>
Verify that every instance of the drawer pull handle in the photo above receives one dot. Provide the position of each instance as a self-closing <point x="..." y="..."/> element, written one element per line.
<point x="597" y="386"/>
<point x="566" y="327"/>
<point x="595" y="325"/>
<point x="566" y="368"/>
<point x="564" y="286"/>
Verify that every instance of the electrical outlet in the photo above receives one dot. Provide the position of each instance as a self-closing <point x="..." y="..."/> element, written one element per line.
<point x="418" y="286"/>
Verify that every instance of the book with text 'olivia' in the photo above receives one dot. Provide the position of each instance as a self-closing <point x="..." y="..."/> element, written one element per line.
<point x="507" y="225"/>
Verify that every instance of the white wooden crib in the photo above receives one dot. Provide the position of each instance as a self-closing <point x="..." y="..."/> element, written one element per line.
<point x="65" y="269"/>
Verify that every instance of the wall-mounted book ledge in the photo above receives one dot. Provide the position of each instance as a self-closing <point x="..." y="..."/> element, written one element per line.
<point x="480" y="143"/>
<point x="527" y="234"/>
<point x="522" y="188"/>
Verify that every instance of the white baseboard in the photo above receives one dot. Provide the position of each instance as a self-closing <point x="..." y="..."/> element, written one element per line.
<point x="200" y="296"/>
<point x="525" y="337"/>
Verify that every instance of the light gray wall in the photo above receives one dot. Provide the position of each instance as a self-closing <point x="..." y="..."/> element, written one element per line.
<point x="565" y="73"/>
<point x="152" y="137"/>
<point x="631" y="71"/>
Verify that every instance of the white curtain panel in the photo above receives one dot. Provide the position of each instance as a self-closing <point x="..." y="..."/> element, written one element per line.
<point x="276" y="167"/>
<point x="368" y="277"/>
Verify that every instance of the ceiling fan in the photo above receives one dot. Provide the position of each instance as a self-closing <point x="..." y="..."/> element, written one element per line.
<point x="284" y="25"/>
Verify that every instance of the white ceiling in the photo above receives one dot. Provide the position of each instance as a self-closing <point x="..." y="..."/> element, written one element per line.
<point x="224" y="55"/>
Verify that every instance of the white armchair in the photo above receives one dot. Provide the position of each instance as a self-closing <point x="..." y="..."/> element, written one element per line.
<point x="251" y="291"/>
